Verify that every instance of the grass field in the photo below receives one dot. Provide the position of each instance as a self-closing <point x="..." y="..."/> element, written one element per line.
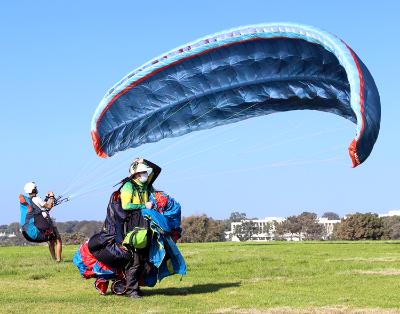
<point x="314" y="277"/>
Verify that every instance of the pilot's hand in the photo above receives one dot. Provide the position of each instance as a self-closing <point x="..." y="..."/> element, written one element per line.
<point x="149" y="205"/>
<point x="138" y="160"/>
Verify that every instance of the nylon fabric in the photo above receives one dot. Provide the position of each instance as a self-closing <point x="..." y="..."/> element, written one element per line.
<point x="236" y="75"/>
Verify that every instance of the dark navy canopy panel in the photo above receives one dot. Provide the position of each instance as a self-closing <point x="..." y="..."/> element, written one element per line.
<point x="235" y="75"/>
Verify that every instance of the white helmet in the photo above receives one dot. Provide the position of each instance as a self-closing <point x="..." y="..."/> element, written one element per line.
<point x="139" y="167"/>
<point x="29" y="187"/>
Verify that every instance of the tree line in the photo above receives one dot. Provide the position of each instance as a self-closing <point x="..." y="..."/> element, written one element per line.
<point x="305" y="226"/>
<point x="368" y="226"/>
<point x="195" y="229"/>
<point x="72" y="232"/>
<point x="202" y="228"/>
<point x="354" y="227"/>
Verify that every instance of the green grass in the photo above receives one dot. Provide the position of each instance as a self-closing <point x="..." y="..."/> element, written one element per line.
<point x="313" y="277"/>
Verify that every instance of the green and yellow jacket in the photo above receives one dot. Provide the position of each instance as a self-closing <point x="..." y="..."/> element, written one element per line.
<point x="135" y="194"/>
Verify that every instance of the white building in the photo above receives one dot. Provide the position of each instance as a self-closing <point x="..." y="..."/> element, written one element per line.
<point x="266" y="229"/>
<point x="7" y="235"/>
<point x="391" y="213"/>
<point x="329" y="225"/>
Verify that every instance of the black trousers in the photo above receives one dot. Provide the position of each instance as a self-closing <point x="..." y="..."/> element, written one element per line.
<point x="134" y="271"/>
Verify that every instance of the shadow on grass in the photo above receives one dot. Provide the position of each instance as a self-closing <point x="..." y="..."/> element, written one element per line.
<point x="40" y="276"/>
<point x="195" y="289"/>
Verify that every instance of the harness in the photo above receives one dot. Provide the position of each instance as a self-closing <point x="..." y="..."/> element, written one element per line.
<point x="33" y="209"/>
<point x="33" y="216"/>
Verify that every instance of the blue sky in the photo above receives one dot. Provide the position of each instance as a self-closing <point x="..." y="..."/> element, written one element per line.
<point x="58" y="58"/>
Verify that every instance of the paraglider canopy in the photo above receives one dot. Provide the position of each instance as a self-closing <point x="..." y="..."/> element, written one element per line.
<point x="235" y="75"/>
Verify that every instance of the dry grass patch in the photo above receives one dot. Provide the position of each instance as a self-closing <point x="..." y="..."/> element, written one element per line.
<point x="381" y="272"/>
<point x="366" y="259"/>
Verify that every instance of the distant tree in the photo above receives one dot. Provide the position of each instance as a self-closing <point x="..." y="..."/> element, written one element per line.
<point x="73" y="238"/>
<point x="234" y="217"/>
<point x="267" y="228"/>
<point x="331" y="216"/>
<point x="391" y="228"/>
<point x="292" y="225"/>
<point x="202" y="229"/>
<point x="18" y="240"/>
<point x="88" y="228"/>
<point x="360" y="227"/>
<point x="304" y="226"/>
<point x="310" y="228"/>
<point x="237" y="217"/>
<point x="280" y="230"/>
<point x="395" y="232"/>
<point x="245" y="230"/>
<point x="67" y="226"/>
<point x="72" y="228"/>
<point x="13" y="228"/>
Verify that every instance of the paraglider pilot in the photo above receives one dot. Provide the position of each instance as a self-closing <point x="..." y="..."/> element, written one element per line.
<point x="137" y="244"/>
<point x="36" y="224"/>
<point x="135" y="197"/>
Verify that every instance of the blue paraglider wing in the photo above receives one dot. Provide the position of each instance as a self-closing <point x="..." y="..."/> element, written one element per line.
<point x="235" y="75"/>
